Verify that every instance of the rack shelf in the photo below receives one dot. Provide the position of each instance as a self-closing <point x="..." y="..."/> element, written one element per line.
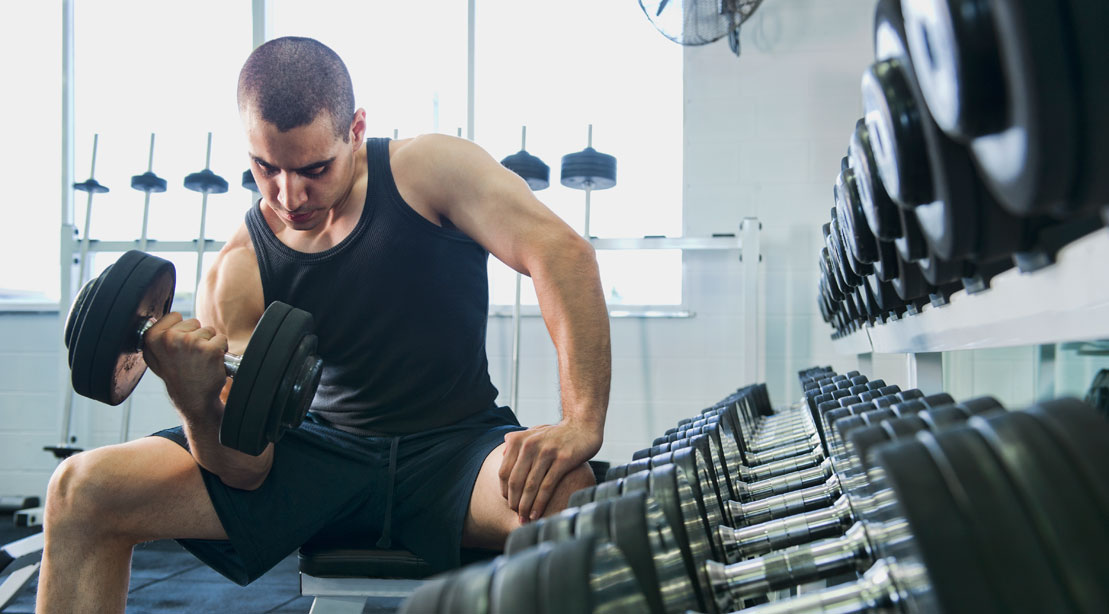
<point x="1068" y="301"/>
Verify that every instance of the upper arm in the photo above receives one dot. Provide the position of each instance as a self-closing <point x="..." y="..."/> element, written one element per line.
<point x="231" y="300"/>
<point x="485" y="200"/>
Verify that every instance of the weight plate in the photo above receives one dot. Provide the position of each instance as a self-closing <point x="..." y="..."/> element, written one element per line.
<point x="107" y="358"/>
<point x="1030" y="166"/>
<point x="262" y="410"/>
<point x="617" y="471"/>
<point x="703" y="494"/>
<point x="1088" y="24"/>
<point x="533" y="170"/>
<point x="1083" y="433"/>
<point x="1065" y="517"/>
<point x="523" y="537"/>
<point x="939" y="272"/>
<point x="239" y="398"/>
<point x="1010" y="555"/>
<point x="958" y="67"/>
<point x="610" y="490"/>
<point x="593" y="520"/>
<point x="628" y="530"/>
<point x="590" y="169"/>
<point x="468" y="591"/>
<point x="427" y="595"/>
<point x="879" y="209"/>
<point x="515" y="586"/>
<point x="896" y="127"/>
<point x="585" y="495"/>
<point x="564" y="577"/>
<point x="886" y="267"/>
<point x="558" y="528"/>
<point x="852" y="221"/>
<point x="293" y="394"/>
<point x="911" y="245"/>
<point x="940" y="532"/>
<point x="78" y="311"/>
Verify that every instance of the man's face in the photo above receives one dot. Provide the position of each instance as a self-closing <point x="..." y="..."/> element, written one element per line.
<point x="301" y="173"/>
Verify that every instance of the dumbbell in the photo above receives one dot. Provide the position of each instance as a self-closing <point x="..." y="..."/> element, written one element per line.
<point x="1005" y="515"/>
<point x="580" y="575"/>
<point x="275" y="379"/>
<point x="861" y="544"/>
<point x="858" y="499"/>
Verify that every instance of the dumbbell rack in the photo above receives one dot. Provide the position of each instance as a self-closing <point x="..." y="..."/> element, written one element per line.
<point x="1067" y="301"/>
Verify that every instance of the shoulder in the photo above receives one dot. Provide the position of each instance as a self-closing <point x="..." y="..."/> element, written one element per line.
<point x="444" y="170"/>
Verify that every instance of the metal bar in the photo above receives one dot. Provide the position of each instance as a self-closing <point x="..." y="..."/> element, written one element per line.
<point x="261" y="12"/>
<point x="154" y="246"/>
<point x="506" y="312"/>
<point x="471" y="28"/>
<point x="682" y="243"/>
<point x="65" y="294"/>
<point x="750" y="255"/>
<point x="356" y="586"/>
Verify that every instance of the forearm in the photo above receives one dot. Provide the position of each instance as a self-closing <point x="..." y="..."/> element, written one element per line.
<point x="234" y="468"/>
<point x="572" y="301"/>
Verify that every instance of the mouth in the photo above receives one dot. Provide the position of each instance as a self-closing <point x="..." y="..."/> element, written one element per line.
<point x="298" y="217"/>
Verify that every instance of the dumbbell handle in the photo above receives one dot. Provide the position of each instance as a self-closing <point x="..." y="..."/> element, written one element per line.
<point x="230" y="361"/>
<point x="753" y="491"/>
<point x="883" y="586"/>
<point x="758" y="539"/>
<point x="799" y="564"/>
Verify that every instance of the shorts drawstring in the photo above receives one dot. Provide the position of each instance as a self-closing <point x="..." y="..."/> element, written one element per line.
<point x="386" y="540"/>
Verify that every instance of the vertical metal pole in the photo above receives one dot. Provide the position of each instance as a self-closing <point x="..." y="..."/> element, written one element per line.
<point x="514" y="383"/>
<point x="201" y="242"/>
<point x="1045" y="372"/>
<point x="471" y="27"/>
<point x="146" y="199"/>
<point x="924" y="370"/>
<point x="85" y="269"/>
<point x="750" y="254"/>
<point x="866" y="364"/>
<point x="261" y="21"/>
<point x="65" y="295"/>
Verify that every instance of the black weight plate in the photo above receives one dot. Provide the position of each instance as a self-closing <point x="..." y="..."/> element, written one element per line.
<point x="77" y="313"/>
<point x="911" y="245"/>
<point x="887" y="266"/>
<point x="959" y="69"/>
<point x="515" y="586"/>
<point x="288" y="396"/>
<point x="261" y="410"/>
<point x="710" y="515"/>
<point x="616" y="471"/>
<point x="1019" y="574"/>
<point x="609" y="490"/>
<point x="593" y="519"/>
<point x="846" y="277"/>
<point x="468" y="591"/>
<point x="895" y="124"/>
<point x="564" y="577"/>
<point x="82" y="348"/>
<point x="942" y="418"/>
<point x="982" y="406"/>
<point x="879" y="210"/>
<point x="904" y="428"/>
<point x="1030" y="166"/>
<point x="136" y="289"/>
<point x="588" y="168"/>
<point x="940" y="532"/>
<point x="1085" y="435"/>
<point x="558" y="528"/>
<point x="939" y="272"/>
<point x="1088" y="24"/>
<point x="629" y="531"/>
<point x="253" y="358"/>
<point x="852" y="219"/>
<point x="523" y="537"/>
<point x="936" y="400"/>
<point x="586" y="495"/>
<point x="1071" y="529"/>
<point x="427" y="595"/>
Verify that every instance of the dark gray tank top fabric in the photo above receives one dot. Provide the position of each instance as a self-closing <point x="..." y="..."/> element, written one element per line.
<point x="400" y="308"/>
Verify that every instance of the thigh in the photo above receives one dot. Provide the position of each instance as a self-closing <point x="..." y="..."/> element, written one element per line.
<point x="489" y="520"/>
<point x="150" y="489"/>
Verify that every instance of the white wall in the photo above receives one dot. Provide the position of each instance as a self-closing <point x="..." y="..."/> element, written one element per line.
<point x="763" y="137"/>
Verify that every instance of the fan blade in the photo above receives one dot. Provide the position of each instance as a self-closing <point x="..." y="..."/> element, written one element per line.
<point x="661" y="5"/>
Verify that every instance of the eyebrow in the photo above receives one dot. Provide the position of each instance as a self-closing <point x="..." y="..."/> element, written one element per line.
<point x="309" y="167"/>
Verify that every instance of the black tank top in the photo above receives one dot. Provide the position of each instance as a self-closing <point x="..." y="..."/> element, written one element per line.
<point x="400" y="308"/>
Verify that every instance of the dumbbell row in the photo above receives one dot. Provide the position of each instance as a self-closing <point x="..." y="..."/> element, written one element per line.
<point x="855" y="546"/>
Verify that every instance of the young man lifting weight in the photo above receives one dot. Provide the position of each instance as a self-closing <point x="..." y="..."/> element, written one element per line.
<point x="385" y="243"/>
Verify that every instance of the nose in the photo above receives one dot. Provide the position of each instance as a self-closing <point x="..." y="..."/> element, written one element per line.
<point x="291" y="192"/>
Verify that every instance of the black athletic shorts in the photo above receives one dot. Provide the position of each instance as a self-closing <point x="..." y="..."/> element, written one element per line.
<point x="330" y="487"/>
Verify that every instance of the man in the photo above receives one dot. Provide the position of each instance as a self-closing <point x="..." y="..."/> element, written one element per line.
<point x="385" y="242"/>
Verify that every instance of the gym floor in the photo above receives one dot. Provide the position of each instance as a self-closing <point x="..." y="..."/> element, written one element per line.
<point x="167" y="580"/>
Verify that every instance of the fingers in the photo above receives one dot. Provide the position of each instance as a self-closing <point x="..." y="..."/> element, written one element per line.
<point x="536" y="478"/>
<point x="516" y="480"/>
<point x="511" y="450"/>
<point x="558" y="470"/>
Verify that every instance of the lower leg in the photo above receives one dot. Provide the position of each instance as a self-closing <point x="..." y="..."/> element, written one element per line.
<point x="100" y="504"/>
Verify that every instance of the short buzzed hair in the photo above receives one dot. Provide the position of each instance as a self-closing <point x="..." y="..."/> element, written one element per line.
<point x="290" y="80"/>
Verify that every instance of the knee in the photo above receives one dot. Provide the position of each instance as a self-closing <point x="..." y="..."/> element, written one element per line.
<point x="577" y="479"/>
<point x="79" y="495"/>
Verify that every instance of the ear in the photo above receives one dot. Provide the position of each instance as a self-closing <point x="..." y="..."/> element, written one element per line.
<point x="358" y="128"/>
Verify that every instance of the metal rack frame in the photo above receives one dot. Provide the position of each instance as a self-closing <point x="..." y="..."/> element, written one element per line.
<point x="1067" y="301"/>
